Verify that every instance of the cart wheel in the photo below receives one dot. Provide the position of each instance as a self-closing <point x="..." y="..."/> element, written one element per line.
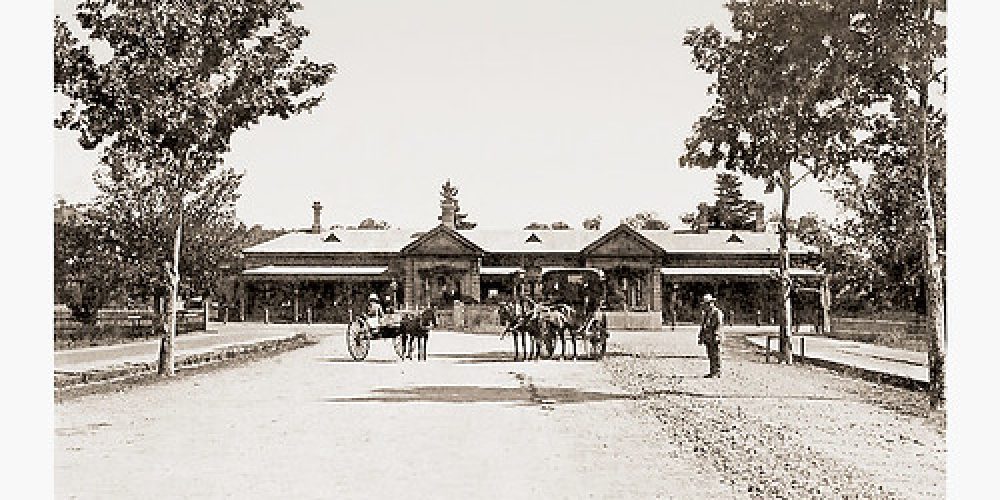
<point x="399" y="346"/>
<point x="358" y="341"/>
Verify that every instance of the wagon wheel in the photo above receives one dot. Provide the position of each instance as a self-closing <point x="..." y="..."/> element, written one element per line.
<point x="358" y="340"/>
<point x="399" y="345"/>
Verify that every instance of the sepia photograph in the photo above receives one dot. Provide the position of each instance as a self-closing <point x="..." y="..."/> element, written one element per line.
<point x="466" y="249"/>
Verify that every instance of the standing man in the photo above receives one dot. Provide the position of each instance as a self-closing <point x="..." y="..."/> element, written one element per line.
<point x="711" y="334"/>
<point x="672" y="308"/>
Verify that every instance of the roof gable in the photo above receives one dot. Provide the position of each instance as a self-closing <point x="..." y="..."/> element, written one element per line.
<point x="442" y="240"/>
<point x="623" y="241"/>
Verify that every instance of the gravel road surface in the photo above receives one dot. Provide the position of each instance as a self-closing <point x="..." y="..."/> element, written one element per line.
<point x="468" y="423"/>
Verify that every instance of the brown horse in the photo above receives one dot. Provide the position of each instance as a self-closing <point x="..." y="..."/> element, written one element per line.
<point x="519" y="325"/>
<point x="555" y="320"/>
<point x="416" y="328"/>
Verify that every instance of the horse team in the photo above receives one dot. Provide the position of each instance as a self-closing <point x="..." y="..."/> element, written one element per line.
<point x="535" y="328"/>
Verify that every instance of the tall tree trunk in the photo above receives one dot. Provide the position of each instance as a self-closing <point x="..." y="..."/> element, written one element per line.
<point x="933" y="283"/>
<point x="167" y="346"/>
<point x="784" y="275"/>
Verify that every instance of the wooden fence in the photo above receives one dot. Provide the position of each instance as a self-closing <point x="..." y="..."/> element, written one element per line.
<point x="907" y="331"/>
<point x="115" y="325"/>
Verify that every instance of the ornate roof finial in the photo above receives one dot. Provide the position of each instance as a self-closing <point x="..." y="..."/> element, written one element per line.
<point x="449" y="192"/>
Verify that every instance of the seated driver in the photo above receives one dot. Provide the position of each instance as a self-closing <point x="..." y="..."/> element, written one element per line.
<point x="375" y="312"/>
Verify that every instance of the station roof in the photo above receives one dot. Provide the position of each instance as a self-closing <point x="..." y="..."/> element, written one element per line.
<point x="723" y="241"/>
<point x="526" y="241"/>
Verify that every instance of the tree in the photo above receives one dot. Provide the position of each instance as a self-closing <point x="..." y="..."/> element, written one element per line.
<point x="536" y="226"/>
<point x="181" y="79"/>
<point x="86" y="269"/>
<point x="592" y="223"/>
<point x="886" y="229"/>
<point x="901" y="46"/>
<point x="133" y="212"/>
<point x="730" y="210"/>
<point x="371" y="223"/>
<point x="560" y="225"/>
<point x="646" y="220"/>
<point x="781" y="101"/>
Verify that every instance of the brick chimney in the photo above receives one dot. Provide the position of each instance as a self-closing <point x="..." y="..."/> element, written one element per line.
<point x="759" y="224"/>
<point x="317" y="227"/>
<point x="448" y="213"/>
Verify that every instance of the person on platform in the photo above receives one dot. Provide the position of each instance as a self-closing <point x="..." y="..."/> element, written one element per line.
<point x="710" y="334"/>
<point x="672" y="306"/>
<point x="375" y="312"/>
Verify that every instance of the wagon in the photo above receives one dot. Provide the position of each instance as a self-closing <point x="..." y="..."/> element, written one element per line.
<point x="583" y="290"/>
<point x="360" y="335"/>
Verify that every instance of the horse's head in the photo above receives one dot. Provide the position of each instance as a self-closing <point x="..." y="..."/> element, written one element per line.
<point x="507" y="313"/>
<point x="428" y="318"/>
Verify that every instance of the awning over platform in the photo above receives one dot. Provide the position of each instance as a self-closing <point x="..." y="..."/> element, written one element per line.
<point x="734" y="271"/>
<point x="499" y="271"/>
<point x="585" y="269"/>
<point x="317" y="271"/>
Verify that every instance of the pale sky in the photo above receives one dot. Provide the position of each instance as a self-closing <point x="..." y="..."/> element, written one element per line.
<point x="538" y="110"/>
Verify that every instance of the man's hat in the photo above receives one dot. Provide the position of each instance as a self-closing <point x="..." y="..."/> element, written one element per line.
<point x="373" y="297"/>
<point x="708" y="298"/>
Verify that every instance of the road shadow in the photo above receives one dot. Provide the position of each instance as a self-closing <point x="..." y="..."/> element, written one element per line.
<point x="328" y="359"/>
<point x="520" y="396"/>
<point x="475" y="358"/>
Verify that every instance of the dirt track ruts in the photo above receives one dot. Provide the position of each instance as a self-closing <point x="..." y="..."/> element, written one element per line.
<point x="309" y="423"/>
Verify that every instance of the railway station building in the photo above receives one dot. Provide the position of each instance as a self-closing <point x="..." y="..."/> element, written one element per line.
<point x="651" y="276"/>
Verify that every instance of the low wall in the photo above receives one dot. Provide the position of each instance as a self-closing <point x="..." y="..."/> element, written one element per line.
<point x="70" y="384"/>
<point x="634" y="320"/>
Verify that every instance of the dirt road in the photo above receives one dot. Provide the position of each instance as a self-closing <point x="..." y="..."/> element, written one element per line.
<point x="468" y="423"/>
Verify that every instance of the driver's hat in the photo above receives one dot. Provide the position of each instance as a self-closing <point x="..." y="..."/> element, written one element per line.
<point x="373" y="297"/>
<point x="708" y="298"/>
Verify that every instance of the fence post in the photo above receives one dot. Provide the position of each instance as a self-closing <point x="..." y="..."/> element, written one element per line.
<point x="767" y="349"/>
<point x="267" y="315"/>
<point x="225" y="315"/>
<point x="309" y="315"/>
<point x="802" y="349"/>
<point x="206" y="305"/>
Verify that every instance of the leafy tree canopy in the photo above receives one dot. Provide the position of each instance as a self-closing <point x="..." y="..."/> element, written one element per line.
<point x="372" y="223"/>
<point x="729" y="211"/>
<point x="646" y="220"/>
<point x="592" y="223"/>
